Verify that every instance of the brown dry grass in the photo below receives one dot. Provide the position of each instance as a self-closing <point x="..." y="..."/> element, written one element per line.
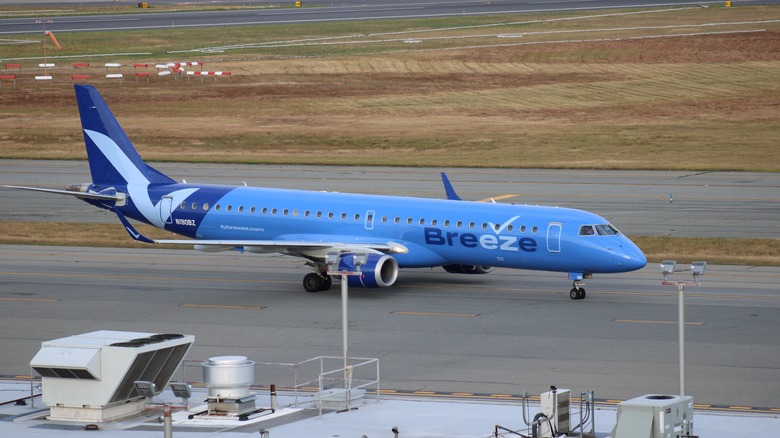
<point x="684" y="102"/>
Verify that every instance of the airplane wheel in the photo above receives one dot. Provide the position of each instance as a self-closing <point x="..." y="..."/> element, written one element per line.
<point x="574" y="294"/>
<point x="327" y="282"/>
<point x="582" y="293"/>
<point x="312" y="282"/>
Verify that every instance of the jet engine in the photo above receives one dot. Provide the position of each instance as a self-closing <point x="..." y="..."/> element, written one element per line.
<point x="376" y="270"/>
<point x="468" y="269"/>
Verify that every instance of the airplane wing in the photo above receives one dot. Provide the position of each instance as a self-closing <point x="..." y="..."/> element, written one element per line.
<point x="309" y="248"/>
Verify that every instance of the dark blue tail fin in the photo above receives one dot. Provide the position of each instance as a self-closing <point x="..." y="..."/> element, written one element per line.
<point x="112" y="158"/>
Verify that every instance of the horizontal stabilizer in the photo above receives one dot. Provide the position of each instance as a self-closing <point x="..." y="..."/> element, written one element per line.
<point x="80" y="195"/>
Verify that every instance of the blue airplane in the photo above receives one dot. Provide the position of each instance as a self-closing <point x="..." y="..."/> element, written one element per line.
<point x="369" y="235"/>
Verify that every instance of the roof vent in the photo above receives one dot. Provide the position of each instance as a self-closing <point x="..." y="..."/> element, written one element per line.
<point x="228" y="379"/>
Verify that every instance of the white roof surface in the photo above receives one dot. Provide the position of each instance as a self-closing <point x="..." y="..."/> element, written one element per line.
<point x="414" y="417"/>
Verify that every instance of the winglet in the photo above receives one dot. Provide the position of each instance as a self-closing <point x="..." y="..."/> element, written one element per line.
<point x="130" y="229"/>
<point x="451" y="195"/>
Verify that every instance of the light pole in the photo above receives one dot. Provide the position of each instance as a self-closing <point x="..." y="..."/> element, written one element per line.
<point x="697" y="270"/>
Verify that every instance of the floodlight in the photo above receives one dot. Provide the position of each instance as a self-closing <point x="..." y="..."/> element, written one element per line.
<point x="144" y="388"/>
<point x="698" y="268"/>
<point x="182" y="390"/>
<point x="667" y="267"/>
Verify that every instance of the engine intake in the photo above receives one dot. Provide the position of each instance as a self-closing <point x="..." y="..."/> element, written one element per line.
<point x="376" y="270"/>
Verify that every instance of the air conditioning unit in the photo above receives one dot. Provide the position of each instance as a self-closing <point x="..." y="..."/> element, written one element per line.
<point x="555" y="406"/>
<point x="655" y="416"/>
<point x="90" y="377"/>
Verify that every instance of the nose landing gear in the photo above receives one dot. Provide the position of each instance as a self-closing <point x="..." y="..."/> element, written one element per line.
<point x="577" y="292"/>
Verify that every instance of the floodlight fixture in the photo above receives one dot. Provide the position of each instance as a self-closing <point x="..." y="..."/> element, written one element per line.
<point x="145" y="388"/>
<point x="698" y="268"/>
<point x="182" y="390"/>
<point x="667" y="267"/>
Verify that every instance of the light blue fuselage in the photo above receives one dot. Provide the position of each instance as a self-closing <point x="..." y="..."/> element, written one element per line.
<point x="437" y="232"/>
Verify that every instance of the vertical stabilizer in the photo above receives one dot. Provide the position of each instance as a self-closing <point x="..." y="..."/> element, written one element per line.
<point x="112" y="157"/>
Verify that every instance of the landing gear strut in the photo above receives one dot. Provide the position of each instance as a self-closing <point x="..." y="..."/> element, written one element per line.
<point x="577" y="292"/>
<point x="315" y="282"/>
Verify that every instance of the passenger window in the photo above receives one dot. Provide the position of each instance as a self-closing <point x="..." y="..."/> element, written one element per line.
<point x="273" y="211"/>
<point x="458" y="224"/>
<point x="422" y="221"/>
<point x="343" y="216"/>
<point x="534" y="229"/>
<point x="509" y="228"/>
<point x="216" y="207"/>
<point x="183" y="204"/>
<point x="240" y="208"/>
<point x="446" y="222"/>
<point x="295" y="212"/>
<point x="194" y="205"/>
<point x="330" y="215"/>
<point x="206" y="207"/>
<point x="285" y="212"/>
<point x="357" y="217"/>
<point x="397" y="219"/>
<point x="384" y="219"/>
<point x="434" y="222"/>
<point x="409" y="220"/>
<point x="306" y="213"/>
<point x="319" y="214"/>
<point x="586" y="230"/>
<point x="252" y="210"/>
<point x="229" y="208"/>
<point x="522" y="228"/>
<point x="265" y="210"/>
<point x="471" y="224"/>
<point x="484" y="226"/>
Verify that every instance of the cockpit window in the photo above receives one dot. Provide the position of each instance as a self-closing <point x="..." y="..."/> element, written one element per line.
<point x="587" y="230"/>
<point x="606" y="230"/>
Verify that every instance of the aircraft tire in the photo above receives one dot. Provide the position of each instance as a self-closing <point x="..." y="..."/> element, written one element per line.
<point x="327" y="282"/>
<point x="577" y="293"/>
<point x="312" y="283"/>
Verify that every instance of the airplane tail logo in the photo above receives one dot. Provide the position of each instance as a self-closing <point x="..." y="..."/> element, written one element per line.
<point x="112" y="157"/>
<point x="114" y="161"/>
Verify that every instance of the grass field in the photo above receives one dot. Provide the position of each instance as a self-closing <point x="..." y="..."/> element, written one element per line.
<point x="688" y="88"/>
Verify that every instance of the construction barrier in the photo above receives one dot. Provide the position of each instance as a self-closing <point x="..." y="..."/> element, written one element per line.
<point x="8" y="78"/>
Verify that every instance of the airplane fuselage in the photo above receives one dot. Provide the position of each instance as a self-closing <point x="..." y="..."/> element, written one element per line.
<point x="436" y="231"/>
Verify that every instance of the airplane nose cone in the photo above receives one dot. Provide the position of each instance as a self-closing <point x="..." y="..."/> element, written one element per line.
<point x="632" y="257"/>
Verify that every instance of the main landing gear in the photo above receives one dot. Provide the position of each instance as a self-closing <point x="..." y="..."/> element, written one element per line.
<point x="316" y="282"/>
<point x="577" y="292"/>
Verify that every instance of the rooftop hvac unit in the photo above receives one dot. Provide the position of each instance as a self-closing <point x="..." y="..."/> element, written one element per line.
<point x="90" y="377"/>
<point x="555" y="406"/>
<point x="655" y="416"/>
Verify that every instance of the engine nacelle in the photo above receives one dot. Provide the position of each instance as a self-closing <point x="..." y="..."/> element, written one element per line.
<point x="468" y="269"/>
<point x="376" y="270"/>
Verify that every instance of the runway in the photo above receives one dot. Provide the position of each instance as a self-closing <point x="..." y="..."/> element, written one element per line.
<point x="505" y="333"/>
<point x="316" y="11"/>
<point x="703" y="204"/>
